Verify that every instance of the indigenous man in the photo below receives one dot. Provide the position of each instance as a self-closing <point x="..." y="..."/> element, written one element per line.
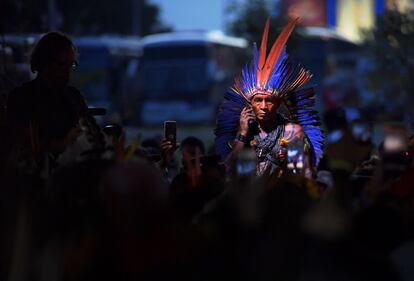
<point x="252" y="113"/>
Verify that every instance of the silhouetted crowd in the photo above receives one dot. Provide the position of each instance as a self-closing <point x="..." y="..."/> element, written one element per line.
<point x="80" y="203"/>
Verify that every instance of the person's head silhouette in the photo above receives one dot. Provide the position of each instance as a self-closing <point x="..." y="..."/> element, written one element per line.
<point x="53" y="58"/>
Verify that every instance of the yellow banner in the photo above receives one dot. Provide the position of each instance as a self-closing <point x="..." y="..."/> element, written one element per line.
<point x="354" y="15"/>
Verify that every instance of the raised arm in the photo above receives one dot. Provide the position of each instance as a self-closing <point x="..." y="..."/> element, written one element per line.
<point x="242" y="135"/>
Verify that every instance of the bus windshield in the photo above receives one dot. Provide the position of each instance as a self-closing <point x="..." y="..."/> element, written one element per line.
<point x="183" y="76"/>
<point x="173" y="72"/>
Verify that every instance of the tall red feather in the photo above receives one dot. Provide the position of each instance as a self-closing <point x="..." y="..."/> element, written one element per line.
<point x="264" y="73"/>
<point x="263" y="46"/>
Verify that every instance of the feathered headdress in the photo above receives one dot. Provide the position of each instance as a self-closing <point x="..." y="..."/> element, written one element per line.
<point x="275" y="75"/>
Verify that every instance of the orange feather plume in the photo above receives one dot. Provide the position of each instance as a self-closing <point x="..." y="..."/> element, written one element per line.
<point x="263" y="46"/>
<point x="265" y="69"/>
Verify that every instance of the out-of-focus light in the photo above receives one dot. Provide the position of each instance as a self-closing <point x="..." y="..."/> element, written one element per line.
<point x="353" y="16"/>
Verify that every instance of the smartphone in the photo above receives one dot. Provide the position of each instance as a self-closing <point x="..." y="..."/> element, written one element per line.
<point x="395" y="139"/>
<point x="170" y="131"/>
<point x="295" y="158"/>
<point x="394" y="143"/>
<point x="253" y="125"/>
<point x="396" y="158"/>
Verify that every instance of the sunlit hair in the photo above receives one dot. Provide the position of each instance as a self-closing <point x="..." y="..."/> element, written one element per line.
<point x="48" y="48"/>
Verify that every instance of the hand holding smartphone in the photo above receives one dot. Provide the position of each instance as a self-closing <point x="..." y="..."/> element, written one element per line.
<point x="295" y="158"/>
<point x="248" y="121"/>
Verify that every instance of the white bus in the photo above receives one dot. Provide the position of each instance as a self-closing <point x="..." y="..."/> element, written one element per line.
<point x="183" y="76"/>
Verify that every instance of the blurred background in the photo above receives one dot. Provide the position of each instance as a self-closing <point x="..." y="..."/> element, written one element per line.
<point x="147" y="61"/>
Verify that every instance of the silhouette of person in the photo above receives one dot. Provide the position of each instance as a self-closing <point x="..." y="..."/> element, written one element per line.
<point x="43" y="114"/>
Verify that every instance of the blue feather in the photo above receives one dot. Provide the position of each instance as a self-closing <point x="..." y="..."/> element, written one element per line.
<point x="301" y="105"/>
<point x="227" y="122"/>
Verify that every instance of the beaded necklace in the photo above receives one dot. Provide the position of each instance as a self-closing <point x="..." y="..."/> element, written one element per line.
<point x="266" y="144"/>
<point x="267" y="147"/>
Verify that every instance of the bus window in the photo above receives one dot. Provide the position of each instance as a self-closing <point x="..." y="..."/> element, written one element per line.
<point x="171" y="73"/>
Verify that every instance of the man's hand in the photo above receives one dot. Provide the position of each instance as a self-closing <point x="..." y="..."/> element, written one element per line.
<point x="167" y="151"/>
<point x="245" y="116"/>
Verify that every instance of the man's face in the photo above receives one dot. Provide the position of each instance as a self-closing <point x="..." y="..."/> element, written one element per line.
<point x="265" y="106"/>
<point x="60" y="69"/>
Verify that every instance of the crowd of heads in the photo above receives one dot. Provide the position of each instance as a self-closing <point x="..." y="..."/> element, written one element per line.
<point x="130" y="217"/>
